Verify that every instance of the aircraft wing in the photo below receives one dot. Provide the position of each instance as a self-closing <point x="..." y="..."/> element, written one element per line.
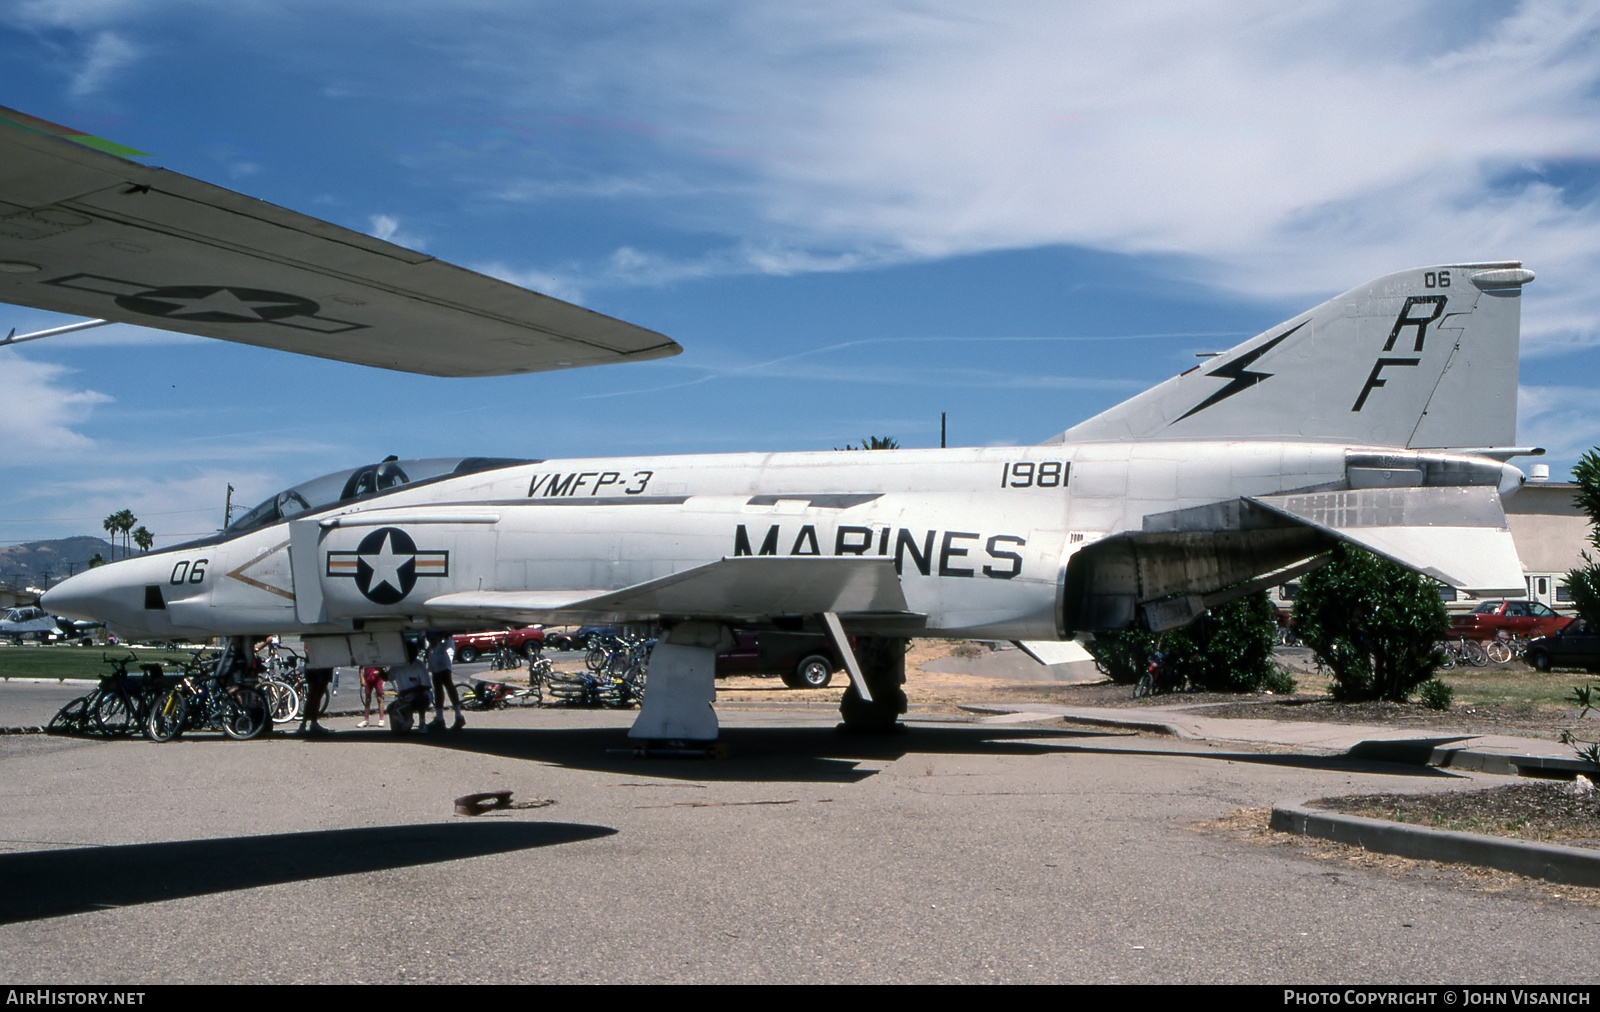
<point x="755" y="587"/>
<point x="88" y="232"/>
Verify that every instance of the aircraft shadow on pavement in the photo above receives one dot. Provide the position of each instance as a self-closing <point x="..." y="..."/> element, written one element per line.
<point x="54" y="883"/>
<point x="755" y="754"/>
<point x="1402" y="757"/>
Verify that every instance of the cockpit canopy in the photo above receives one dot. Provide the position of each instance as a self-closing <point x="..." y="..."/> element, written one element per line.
<point x="363" y="482"/>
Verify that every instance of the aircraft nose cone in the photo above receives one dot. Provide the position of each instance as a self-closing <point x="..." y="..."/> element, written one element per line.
<point x="113" y="594"/>
<point x="74" y="598"/>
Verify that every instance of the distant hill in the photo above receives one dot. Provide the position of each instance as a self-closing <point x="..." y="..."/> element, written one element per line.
<point x="38" y="561"/>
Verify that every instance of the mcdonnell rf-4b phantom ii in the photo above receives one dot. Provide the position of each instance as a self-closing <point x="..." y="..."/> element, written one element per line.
<point x="1383" y="418"/>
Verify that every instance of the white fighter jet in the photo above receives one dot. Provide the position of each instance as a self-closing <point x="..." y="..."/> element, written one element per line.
<point x="1382" y="418"/>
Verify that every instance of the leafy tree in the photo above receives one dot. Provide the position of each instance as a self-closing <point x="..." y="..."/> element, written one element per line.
<point x="1228" y="649"/>
<point x="96" y="560"/>
<point x="1584" y="582"/>
<point x="874" y="443"/>
<point x="1373" y="624"/>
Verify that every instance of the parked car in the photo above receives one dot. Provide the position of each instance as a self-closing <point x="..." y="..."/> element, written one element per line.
<point x="1515" y="618"/>
<point x="802" y="660"/>
<point x="469" y="646"/>
<point x="1572" y="647"/>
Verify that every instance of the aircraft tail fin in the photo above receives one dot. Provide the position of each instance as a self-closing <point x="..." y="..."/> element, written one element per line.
<point x="1423" y="358"/>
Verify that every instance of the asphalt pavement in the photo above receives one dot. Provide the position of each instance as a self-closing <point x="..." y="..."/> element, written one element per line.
<point x="999" y="847"/>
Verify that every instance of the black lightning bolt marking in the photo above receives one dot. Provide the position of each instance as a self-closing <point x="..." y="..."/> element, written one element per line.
<point x="1238" y="374"/>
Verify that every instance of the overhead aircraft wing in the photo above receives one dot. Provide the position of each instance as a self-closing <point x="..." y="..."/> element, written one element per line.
<point x="753" y="587"/>
<point x="88" y="232"/>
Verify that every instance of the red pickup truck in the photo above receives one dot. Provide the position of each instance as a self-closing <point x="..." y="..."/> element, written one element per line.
<point x="1515" y="618"/>
<point x="469" y="646"/>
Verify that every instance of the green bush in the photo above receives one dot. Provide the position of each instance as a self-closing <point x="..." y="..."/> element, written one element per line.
<point x="1435" y="695"/>
<point x="1228" y="649"/>
<point x="1373" y="624"/>
<point x="1280" y="682"/>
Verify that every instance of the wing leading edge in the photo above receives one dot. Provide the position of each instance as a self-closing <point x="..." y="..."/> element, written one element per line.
<point x="87" y="232"/>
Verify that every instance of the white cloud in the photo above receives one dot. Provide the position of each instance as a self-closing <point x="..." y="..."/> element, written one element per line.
<point x="39" y="410"/>
<point x="1273" y="150"/>
<point x="387" y="228"/>
<point x="108" y="53"/>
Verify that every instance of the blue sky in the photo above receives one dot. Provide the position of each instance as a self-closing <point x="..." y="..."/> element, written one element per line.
<point x="852" y="216"/>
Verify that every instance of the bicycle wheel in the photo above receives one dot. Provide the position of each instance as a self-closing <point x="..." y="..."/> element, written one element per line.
<point x="246" y="714"/>
<point x="167" y="717"/>
<point x="1473" y="653"/>
<point x="1447" y="656"/>
<point x="1499" y="651"/>
<point x="1145" y="686"/>
<point x="596" y="658"/>
<point x="470" y="699"/>
<point x="283" y="701"/>
<point x="73" y="718"/>
<point x="112" y="714"/>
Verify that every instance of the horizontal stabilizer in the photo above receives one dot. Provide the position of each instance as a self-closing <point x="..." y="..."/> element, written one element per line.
<point x="86" y="232"/>
<point x="1051" y="652"/>
<point x="1458" y="536"/>
<point x="734" y="588"/>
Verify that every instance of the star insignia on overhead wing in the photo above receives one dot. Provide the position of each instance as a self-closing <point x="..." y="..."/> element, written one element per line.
<point x="218" y="304"/>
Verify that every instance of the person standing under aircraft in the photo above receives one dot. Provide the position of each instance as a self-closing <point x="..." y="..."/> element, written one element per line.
<point x="440" y="667"/>
<point x="371" y="689"/>
<point x="317" y="680"/>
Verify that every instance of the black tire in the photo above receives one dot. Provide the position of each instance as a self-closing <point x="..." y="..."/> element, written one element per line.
<point x="1539" y="659"/>
<point x="112" y="715"/>
<point x="74" y="718"/>
<point x="814" y="672"/>
<point x="467" y="654"/>
<point x="167" y="717"/>
<point x="247" y="714"/>
<point x="471" y="698"/>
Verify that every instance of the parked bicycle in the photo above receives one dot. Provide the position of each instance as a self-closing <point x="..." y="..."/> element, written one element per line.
<point x="210" y="697"/>
<point x="118" y="705"/>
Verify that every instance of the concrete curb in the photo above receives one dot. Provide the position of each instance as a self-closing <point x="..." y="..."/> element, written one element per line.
<point x="1549" y="861"/>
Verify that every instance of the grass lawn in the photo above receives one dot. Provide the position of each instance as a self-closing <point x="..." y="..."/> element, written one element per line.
<point x="1514" y="686"/>
<point x="73" y="662"/>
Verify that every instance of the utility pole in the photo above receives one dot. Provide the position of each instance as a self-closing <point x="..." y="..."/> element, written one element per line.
<point x="941" y="430"/>
<point x="227" y="509"/>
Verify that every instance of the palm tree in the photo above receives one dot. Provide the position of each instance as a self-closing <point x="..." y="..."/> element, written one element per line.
<point x="144" y="539"/>
<point x="876" y="443"/>
<point x="120" y="522"/>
